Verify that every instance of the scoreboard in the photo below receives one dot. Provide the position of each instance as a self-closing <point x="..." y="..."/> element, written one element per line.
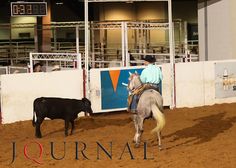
<point x="28" y="8"/>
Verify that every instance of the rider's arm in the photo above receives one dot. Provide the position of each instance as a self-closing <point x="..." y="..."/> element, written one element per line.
<point x="160" y="74"/>
<point x="143" y="76"/>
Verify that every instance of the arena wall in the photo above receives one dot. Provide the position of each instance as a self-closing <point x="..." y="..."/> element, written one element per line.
<point x="198" y="83"/>
<point x="18" y="91"/>
<point x="216" y="30"/>
<point x="232" y="5"/>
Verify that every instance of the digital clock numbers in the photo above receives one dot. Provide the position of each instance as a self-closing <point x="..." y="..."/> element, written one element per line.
<point x="28" y="8"/>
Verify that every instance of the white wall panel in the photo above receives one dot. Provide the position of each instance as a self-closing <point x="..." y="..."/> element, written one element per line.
<point x="18" y="91"/>
<point x="189" y="84"/>
<point x="196" y="84"/>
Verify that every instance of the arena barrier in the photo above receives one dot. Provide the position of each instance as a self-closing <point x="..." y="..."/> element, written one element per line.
<point x="205" y="83"/>
<point x="107" y="93"/>
<point x="18" y="91"/>
<point x="13" y="69"/>
<point x="196" y="84"/>
<point x="64" y="60"/>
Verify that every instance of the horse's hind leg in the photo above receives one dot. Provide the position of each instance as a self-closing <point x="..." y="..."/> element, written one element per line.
<point x="159" y="140"/>
<point x="140" y="122"/>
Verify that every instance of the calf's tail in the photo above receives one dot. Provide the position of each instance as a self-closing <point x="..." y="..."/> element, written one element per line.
<point x="33" y="121"/>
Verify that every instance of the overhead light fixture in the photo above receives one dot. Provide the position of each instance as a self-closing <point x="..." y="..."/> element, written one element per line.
<point x="59" y="2"/>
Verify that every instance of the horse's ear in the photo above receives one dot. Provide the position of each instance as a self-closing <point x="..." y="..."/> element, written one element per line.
<point x="130" y="73"/>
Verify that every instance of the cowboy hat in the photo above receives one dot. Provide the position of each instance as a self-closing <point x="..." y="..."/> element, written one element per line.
<point x="149" y="58"/>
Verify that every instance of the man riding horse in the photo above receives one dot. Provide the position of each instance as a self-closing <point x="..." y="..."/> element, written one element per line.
<point x="151" y="77"/>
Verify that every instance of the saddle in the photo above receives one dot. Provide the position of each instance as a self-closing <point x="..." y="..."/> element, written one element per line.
<point x="139" y="91"/>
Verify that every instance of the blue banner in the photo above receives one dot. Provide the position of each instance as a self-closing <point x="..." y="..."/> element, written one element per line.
<point x="113" y="93"/>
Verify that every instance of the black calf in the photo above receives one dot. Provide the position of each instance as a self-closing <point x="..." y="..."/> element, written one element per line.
<point x="58" y="108"/>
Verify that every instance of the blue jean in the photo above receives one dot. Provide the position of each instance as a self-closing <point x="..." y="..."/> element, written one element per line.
<point x="134" y="103"/>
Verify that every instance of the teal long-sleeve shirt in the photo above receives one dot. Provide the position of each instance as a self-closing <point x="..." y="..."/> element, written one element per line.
<point x="151" y="74"/>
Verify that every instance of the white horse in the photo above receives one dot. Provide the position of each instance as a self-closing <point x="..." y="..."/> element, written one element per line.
<point x="150" y="105"/>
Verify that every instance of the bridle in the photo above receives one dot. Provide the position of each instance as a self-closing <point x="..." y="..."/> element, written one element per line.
<point x="135" y="88"/>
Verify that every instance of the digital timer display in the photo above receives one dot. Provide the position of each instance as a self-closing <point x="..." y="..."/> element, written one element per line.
<point x="28" y="8"/>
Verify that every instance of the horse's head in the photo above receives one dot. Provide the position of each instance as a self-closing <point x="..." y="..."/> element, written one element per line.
<point x="134" y="81"/>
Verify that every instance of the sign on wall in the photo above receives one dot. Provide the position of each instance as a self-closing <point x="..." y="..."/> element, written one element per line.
<point x="107" y="93"/>
<point x="114" y="94"/>
<point x="225" y="77"/>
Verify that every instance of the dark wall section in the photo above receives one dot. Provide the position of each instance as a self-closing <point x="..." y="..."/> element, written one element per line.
<point x="68" y="11"/>
<point x="5" y="11"/>
<point x="185" y="10"/>
<point x="72" y="11"/>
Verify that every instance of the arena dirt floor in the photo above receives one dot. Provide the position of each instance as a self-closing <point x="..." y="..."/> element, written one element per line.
<point x="203" y="137"/>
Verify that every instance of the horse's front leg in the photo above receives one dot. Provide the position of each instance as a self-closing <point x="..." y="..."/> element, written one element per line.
<point x="136" y="128"/>
<point x="139" y="130"/>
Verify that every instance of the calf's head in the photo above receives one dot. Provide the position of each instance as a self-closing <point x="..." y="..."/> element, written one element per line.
<point x="87" y="105"/>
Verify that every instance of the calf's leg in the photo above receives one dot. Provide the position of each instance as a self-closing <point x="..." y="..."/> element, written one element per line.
<point x="72" y="126"/>
<point x="66" y="127"/>
<point x="37" y="127"/>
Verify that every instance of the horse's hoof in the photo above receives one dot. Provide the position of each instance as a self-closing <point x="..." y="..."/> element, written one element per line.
<point x="136" y="145"/>
<point x="160" y="148"/>
<point x="38" y="136"/>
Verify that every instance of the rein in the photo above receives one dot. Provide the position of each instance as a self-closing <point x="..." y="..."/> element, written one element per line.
<point x="137" y="90"/>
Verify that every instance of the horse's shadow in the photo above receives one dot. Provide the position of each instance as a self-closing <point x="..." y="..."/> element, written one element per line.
<point x="203" y="131"/>
<point x="89" y="123"/>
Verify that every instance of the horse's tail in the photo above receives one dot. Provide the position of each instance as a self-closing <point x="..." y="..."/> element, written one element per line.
<point x="159" y="117"/>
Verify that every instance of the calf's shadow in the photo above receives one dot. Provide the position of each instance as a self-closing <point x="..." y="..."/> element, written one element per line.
<point x="89" y="123"/>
